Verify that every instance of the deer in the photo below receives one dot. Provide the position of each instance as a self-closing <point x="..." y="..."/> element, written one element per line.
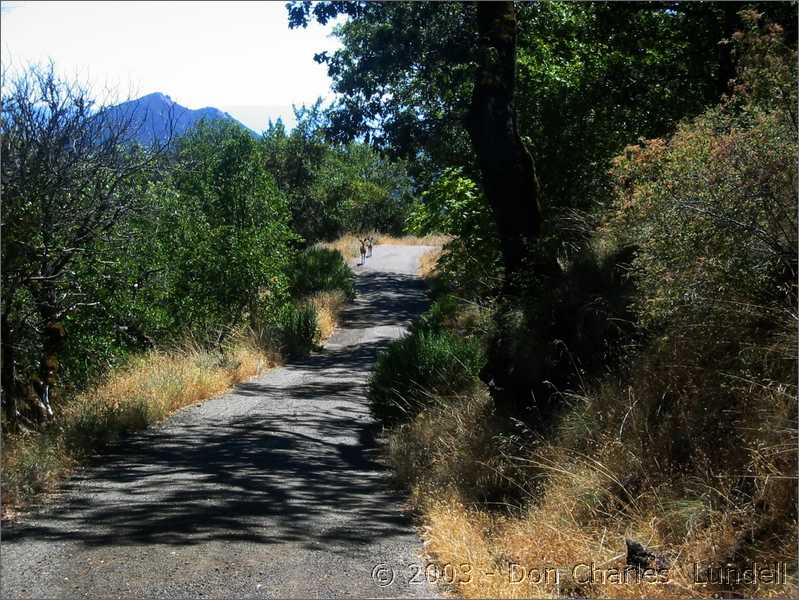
<point x="363" y="250"/>
<point x="369" y="242"/>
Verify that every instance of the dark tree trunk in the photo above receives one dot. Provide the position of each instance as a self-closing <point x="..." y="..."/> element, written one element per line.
<point x="511" y="189"/>
<point x="52" y="345"/>
<point x="9" y="375"/>
<point x="729" y="23"/>
<point x="507" y="168"/>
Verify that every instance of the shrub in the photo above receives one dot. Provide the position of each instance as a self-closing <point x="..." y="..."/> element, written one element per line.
<point x="298" y="329"/>
<point x="453" y="205"/>
<point x="420" y="366"/>
<point x="319" y="269"/>
<point x="713" y="209"/>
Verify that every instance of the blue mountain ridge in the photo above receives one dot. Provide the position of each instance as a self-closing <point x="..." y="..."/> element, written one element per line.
<point x="152" y="116"/>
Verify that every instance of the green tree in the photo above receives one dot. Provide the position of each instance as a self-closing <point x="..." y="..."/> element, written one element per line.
<point x="335" y="187"/>
<point x="70" y="179"/>
<point x="227" y="236"/>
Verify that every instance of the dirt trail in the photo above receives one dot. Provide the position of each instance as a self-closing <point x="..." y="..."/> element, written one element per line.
<point x="272" y="490"/>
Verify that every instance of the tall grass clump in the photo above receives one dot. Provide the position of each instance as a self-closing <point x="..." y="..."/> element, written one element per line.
<point x="297" y="329"/>
<point x="327" y="305"/>
<point x="319" y="269"/>
<point x="417" y="368"/>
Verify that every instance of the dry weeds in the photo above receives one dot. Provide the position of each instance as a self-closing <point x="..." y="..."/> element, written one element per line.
<point x="148" y="389"/>
<point x="328" y="305"/>
<point x="428" y="263"/>
<point x="565" y="534"/>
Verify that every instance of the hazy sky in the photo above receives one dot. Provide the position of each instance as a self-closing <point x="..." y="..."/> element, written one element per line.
<point x="239" y="57"/>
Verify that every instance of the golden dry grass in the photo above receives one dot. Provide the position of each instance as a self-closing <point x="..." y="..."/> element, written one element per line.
<point x="547" y="553"/>
<point x="147" y="390"/>
<point x="166" y="381"/>
<point x="428" y="263"/>
<point x="327" y="306"/>
<point x="349" y="246"/>
<point x="565" y="535"/>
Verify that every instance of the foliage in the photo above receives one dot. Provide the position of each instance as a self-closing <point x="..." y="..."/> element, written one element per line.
<point x="228" y="230"/>
<point x="335" y="188"/>
<point x="453" y="205"/>
<point x="298" y="329"/>
<point x="414" y="369"/>
<point x="591" y="77"/>
<point x="387" y="96"/>
<point x="319" y="269"/>
<point x="712" y="210"/>
<point x="208" y="248"/>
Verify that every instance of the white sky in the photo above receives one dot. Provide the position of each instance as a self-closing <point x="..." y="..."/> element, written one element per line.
<point x="239" y="57"/>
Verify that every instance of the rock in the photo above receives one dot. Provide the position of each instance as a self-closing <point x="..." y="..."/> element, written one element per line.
<point x="638" y="555"/>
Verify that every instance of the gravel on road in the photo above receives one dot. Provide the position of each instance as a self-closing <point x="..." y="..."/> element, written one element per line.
<point x="271" y="490"/>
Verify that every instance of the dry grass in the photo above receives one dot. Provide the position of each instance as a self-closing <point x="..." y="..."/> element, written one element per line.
<point x="413" y="240"/>
<point x="328" y="305"/>
<point x="548" y="552"/>
<point x="164" y="382"/>
<point x="147" y="390"/>
<point x="349" y="246"/>
<point x="572" y="500"/>
<point x="428" y="263"/>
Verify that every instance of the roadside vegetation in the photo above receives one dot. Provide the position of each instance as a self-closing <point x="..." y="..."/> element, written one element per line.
<point x="627" y="401"/>
<point x="601" y="400"/>
<point x="140" y="280"/>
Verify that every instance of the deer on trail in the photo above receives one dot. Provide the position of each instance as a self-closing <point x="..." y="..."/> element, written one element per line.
<point x="363" y="250"/>
<point x="369" y="241"/>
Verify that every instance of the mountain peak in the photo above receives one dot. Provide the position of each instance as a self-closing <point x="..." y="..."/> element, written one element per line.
<point x="156" y="96"/>
<point x="155" y="114"/>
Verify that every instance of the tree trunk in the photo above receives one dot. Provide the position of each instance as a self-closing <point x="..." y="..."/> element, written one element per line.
<point x="511" y="189"/>
<point x="9" y="371"/>
<point x="508" y="171"/>
<point x="52" y="345"/>
<point x="729" y="23"/>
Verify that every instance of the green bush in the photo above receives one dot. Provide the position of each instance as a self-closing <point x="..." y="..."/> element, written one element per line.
<point x="712" y="210"/>
<point x="298" y="329"/>
<point x="320" y="269"/>
<point x="417" y="368"/>
<point x="454" y="205"/>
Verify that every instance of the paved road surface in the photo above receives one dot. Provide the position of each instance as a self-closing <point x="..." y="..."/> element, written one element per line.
<point x="269" y="491"/>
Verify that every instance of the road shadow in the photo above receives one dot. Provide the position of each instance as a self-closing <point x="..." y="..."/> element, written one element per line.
<point x="299" y="465"/>
<point x="385" y="299"/>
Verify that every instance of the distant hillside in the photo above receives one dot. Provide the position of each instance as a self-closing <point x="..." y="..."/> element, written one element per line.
<point x="153" y="116"/>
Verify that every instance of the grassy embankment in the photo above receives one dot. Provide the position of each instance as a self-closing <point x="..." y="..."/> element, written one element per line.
<point x="501" y="504"/>
<point x="155" y="384"/>
<point x="664" y="362"/>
